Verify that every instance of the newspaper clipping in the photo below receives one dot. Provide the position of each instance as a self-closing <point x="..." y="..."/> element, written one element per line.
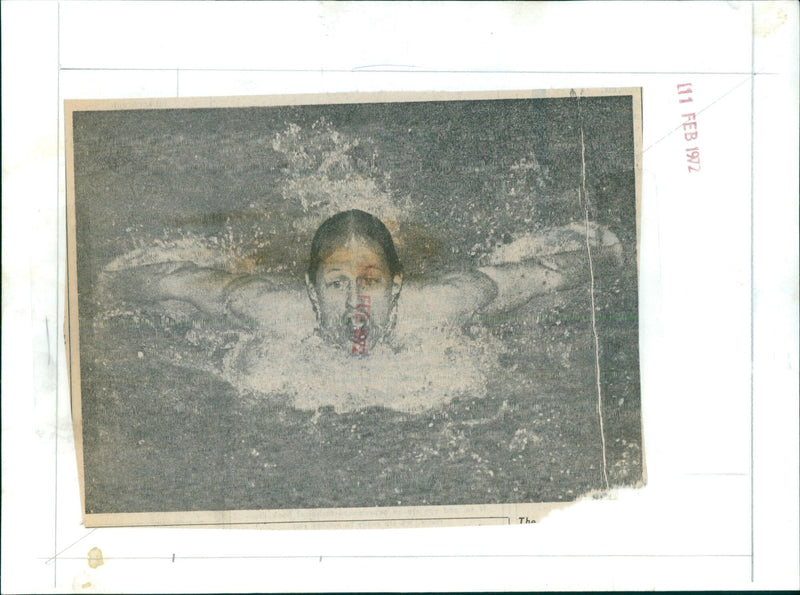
<point x="353" y="310"/>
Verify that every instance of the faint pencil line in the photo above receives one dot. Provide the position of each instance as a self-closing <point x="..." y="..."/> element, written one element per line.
<point x="414" y="70"/>
<point x="58" y="555"/>
<point x="47" y="318"/>
<point x="716" y="474"/>
<point x="594" y="319"/>
<point x="752" y="79"/>
<point x="700" y="111"/>
<point x="58" y="270"/>
<point x="410" y="67"/>
<point x="410" y="556"/>
<point x="320" y="521"/>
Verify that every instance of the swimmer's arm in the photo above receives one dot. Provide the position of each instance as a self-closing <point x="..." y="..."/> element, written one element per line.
<point x="256" y="300"/>
<point x="449" y="299"/>
<point x="518" y="282"/>
<point x="151" y="283"/>
<point x="455" y="297"/>
<point x="204" y="288"/>
<point x="267" y="302"/>
<point x="213" y="292"/>
<point x="272" y="303"/>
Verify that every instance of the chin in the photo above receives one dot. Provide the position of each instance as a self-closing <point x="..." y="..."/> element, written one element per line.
<point x="355" y="341"/>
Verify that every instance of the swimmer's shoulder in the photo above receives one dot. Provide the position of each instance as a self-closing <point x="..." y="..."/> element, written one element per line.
<point x="450" y="297"/>
<point x="269" y="302"/>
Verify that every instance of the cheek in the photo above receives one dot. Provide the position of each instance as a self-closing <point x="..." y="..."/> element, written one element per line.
<point x="380" y="304"/>
<point x="330" y="303"/>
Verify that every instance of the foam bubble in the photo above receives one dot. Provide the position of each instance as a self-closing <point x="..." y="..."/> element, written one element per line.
<point x="418" y="372"/>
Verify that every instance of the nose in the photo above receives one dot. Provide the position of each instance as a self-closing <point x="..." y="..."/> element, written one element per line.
<point x="352" y="291"/>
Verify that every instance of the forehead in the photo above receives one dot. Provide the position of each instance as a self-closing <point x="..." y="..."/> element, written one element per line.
<point x="356" y="255"/>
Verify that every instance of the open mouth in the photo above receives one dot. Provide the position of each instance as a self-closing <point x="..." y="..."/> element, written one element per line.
<point x="357" y="330"/>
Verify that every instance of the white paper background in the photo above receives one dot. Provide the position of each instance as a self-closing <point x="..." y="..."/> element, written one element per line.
<point x="721" y="506"/>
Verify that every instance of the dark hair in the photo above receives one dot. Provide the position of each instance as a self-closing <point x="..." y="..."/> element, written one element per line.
<point x="335" y="231"/>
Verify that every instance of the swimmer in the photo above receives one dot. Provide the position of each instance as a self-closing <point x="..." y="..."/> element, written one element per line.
<point x="354" y="283"/>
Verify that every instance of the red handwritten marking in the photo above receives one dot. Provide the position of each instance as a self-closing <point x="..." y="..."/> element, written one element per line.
<point x="359" y="338"/>
<point x="689" y="128"/>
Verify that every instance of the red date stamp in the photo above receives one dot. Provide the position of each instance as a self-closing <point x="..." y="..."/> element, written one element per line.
<point x="359" y="338"/>
<point x="689" y="126"/>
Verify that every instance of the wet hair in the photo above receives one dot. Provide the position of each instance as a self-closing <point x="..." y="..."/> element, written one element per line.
<point x="337" y="230"/>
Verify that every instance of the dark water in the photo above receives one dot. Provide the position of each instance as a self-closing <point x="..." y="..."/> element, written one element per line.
<point x="453" y="180"/>
<point x="164" y="437"/>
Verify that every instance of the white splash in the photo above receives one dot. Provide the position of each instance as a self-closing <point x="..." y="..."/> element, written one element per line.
<point x="420" y="372"/>
<point x="325" y="180"/>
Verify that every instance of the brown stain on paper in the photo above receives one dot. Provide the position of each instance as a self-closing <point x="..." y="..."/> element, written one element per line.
<point x="95" y="557"/>
<point x="769" y="17"/>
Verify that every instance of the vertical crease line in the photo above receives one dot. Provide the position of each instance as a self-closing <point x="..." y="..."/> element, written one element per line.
<point x="585" y="202"/>
<point x="752" y="285"/>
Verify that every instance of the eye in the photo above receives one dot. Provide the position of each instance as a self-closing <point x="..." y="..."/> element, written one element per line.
<point x="337" y="284"/>
<point x="368" y="281"/>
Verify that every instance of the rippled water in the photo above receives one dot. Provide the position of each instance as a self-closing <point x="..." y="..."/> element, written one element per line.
<point x="182" y="411"/>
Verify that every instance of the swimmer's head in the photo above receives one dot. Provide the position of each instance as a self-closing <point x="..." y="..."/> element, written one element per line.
<point x="354" y="279"/>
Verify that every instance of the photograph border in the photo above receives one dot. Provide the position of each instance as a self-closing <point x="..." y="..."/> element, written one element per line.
<point x="306" y="518"/>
